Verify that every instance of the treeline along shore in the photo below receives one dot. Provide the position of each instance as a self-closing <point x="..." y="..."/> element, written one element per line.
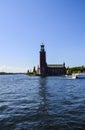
<point x="6" y="73"/>
<point x="71" y="70"/>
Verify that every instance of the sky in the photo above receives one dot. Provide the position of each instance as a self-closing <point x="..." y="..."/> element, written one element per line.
<point x="25" y="24"/>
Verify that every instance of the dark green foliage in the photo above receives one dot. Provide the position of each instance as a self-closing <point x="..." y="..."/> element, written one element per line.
<point x="32" y="73"/>
<point x="75" y="69"/>
<point x="34" y="69"/>
<point x="4" y="73"/>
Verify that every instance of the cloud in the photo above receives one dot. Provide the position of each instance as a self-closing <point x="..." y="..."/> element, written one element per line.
<point x="5" y="68"/>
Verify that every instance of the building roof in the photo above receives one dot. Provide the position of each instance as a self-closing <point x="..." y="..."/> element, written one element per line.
<point x="55" y="65"/>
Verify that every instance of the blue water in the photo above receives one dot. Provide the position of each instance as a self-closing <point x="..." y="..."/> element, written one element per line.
<point x="35" y="103"/>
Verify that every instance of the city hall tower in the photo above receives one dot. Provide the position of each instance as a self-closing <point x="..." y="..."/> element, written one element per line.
<point x="43" y="65"/>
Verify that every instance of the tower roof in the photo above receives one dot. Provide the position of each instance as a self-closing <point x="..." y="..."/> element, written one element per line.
<point x="42" y="47"/>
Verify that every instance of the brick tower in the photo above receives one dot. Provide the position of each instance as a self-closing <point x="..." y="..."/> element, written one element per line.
<point x="43" y="65"/>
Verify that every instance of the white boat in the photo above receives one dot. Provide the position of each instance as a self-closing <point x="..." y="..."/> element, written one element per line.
<point x="78" y="76"/>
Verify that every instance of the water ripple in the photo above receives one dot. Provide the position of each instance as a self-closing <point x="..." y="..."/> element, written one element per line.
<point x="34" y="103"/>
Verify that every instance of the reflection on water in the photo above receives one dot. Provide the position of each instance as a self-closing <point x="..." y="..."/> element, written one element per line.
<point x="35" y="103"/>
<point x="43" y="107"/>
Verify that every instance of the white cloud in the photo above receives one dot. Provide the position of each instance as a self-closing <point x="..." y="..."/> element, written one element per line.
<point x="5" y="68"/>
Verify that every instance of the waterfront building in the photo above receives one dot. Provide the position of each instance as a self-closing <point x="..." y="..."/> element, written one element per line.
<point x="50" y="69"/>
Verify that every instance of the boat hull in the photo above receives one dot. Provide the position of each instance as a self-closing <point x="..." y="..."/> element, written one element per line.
<point x="80" y="76"/>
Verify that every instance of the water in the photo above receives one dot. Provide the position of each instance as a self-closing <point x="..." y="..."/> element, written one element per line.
<point x="35" y="103"/>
